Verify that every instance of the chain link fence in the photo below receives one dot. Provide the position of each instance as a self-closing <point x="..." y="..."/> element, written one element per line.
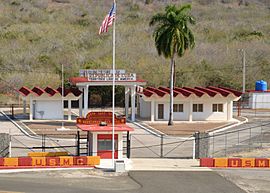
<point x="248" y="138"/>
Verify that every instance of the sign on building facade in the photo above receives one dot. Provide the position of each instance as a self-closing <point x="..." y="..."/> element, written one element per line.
<point x="107" y="75"/>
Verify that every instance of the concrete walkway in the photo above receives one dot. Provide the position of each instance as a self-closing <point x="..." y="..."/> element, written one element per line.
<point x="156" y="164"/>
<point x="166" y="165"/>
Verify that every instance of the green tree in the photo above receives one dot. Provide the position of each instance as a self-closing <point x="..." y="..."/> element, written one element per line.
<point x="173" y="37"/>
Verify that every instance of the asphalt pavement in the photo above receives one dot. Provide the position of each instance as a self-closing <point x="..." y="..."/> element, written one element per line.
<point x="136" y="182"/>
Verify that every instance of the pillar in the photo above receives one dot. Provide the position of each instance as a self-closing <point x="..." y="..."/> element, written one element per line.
<point x="94" y="144"/>
<point x="31" y="109"/>
<point x="120" y="146"/>
<point x="190" y="111"/>
<point x="152" y="111"/>
<point x="80" y="104"/>
<point x="85" y="95"/>
<point x="24" y="106"/>
<point x="126" y="101"/>
<point x="69" y="109"/>
<point x="133" y="99"/>
<point x="229" y="110"/>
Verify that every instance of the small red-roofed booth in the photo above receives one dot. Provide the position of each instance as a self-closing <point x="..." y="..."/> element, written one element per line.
<point x="190" y="104"/>
<point x="46" y="104"/>
<point x="98" y="126"/>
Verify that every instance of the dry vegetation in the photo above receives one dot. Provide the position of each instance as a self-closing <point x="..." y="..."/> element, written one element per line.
<point x="37" y="36"/>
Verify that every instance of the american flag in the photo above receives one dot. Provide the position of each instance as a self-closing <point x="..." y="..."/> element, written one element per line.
<point x="108" y="21"/>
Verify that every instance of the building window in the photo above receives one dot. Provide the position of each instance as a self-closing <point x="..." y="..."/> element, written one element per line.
<point x="178" y="108"/>
<point x="106" y="144"/>
<point x="217" y="107"/>
<point x="197" y="107"/>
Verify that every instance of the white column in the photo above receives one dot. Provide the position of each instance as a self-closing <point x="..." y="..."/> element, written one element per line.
<point x="80" y="104"/>
<point x="152" y="111"/>
<point x="85" y="95"/>
<point x="229" y="110"/>
<point x="24" y="106"/>
<point x="94" y="144"/>
<point x="133" y="98"/>
<point x="69" y="109"/>
<point x="126" y="101"/>
<point x="190" y="111"/>
<point x="31" y="109"/>
<point x="120" y="146"/>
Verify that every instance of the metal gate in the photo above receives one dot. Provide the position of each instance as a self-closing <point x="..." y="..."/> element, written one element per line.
<point x="161" y="146"/>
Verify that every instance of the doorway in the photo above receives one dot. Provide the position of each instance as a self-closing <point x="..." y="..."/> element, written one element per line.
<point x="160" y="111"/>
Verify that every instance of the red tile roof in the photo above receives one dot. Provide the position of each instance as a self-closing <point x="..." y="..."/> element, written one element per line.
<point x="97" y="128"/>
<point x="187" y="91"/>
<point x="49" y="91"/>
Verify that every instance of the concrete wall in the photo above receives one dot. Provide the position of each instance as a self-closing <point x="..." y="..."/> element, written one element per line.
<point x="48" y="109"/>
<point x="260" y="100"/>
<point x="4" y="144"/>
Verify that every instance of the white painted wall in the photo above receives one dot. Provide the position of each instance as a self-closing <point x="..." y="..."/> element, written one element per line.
<point x="207" y="113"/>
<point x="145" y="108"/>
<point x="48" y="109"/>
<point x="260" y="100"/>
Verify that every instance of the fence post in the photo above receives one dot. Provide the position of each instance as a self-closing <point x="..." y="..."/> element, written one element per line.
<point x="43" y="143"/>
<point x="128" y="145"/>
<point x="225" y="144"/>
<point x="78" y="143"/>
<point x="238" y="140"/>
<point x="261" y="136"/>
<point x="194" y="149"/>
<point x="161" y="145"/>
<point x="197" y="144"/>
<point x="213" y="148"/>
<point x="249" y="148"/>
<point x="12" y="111"/>
<point x="10" y="138"/>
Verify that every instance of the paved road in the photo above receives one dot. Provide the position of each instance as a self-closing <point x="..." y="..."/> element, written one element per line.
<point x="136" y="182"/>
<point x="250" y="180"/>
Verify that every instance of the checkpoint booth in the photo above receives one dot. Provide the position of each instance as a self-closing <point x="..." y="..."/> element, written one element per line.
<point x="98" y="126"/>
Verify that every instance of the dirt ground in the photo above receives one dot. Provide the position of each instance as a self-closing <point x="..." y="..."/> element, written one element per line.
<point x="186" y="129"/>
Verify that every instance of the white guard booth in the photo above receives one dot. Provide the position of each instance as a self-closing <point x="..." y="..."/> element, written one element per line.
<point x="46" y="104"/>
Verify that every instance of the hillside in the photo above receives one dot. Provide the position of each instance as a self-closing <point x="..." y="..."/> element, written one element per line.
<point x="37" y="36"/>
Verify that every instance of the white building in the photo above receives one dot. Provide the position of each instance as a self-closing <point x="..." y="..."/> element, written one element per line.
<point x="46" y="104"/>
<point x="259" y="99"/>
<point x="190" y="104"/>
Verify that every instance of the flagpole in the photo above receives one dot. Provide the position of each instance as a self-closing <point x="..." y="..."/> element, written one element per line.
<point x="113" y="90"/>
<point x="63" y="109"/>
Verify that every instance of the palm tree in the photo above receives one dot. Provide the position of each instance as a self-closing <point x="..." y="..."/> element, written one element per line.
<point x="173" y="37"/>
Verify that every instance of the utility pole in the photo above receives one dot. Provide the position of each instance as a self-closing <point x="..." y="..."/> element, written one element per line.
<point x="244" y="69"/>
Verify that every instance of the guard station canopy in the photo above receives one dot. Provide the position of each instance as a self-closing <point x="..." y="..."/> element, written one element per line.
<point x="104" y="78"/>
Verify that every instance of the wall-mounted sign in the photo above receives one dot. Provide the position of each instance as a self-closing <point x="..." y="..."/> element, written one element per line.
<point x="95" y="118"/>
<point x="107" y="75"/>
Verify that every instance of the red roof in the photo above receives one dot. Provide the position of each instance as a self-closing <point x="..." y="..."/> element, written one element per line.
<point x="97" y="128"/>
<point x="258" y="91"/>
<point x="75" y="80"/>
<point x="187" y="91"/>
<point x="49" y="91"/>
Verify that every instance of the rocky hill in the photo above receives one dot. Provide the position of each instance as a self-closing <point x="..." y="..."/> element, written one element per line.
<point x="37" y="36"/>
